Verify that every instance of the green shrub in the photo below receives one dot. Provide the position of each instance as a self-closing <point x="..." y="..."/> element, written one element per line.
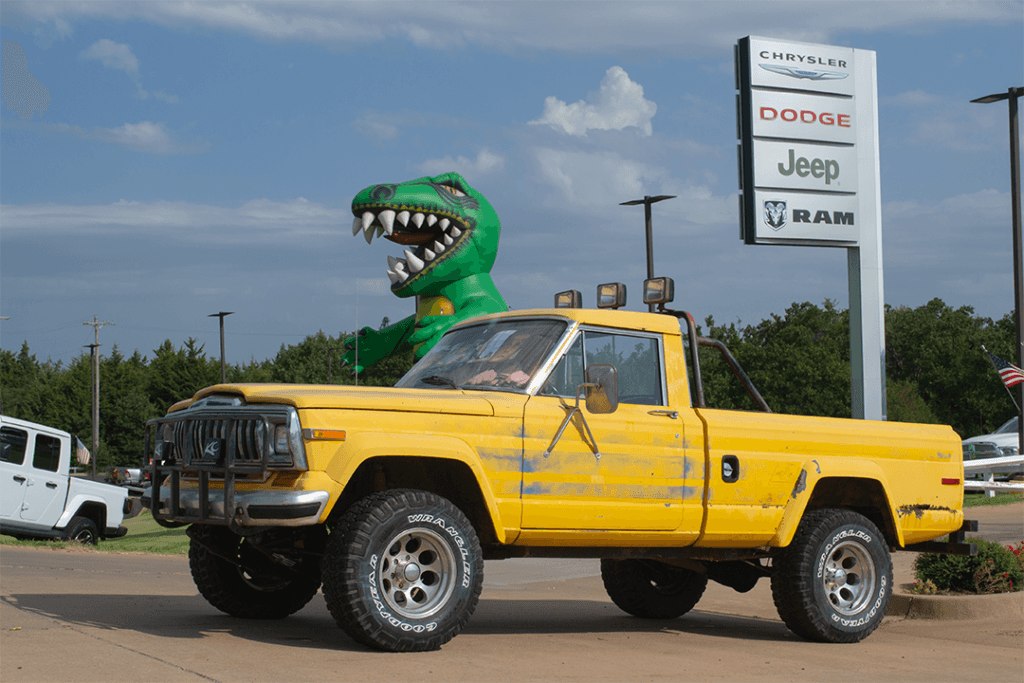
<point x="995" y="569"/>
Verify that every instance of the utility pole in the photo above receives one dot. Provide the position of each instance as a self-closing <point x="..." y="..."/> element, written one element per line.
<point x="96" y="324"/>
<point x="647" y="201"/>
<point x="223" y="367"/>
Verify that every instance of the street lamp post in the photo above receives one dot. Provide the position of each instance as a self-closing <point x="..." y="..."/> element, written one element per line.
<point x="647" y="201"/>
<point x="223" y="366"/>
<point x="1011" y="95"/>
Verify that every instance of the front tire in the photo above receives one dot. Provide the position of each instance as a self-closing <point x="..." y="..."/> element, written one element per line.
<point x="238" y="579"/>
<point x="833" y="583"/>
<point x="403" y="572"/>
<point x="652" y="590"/>
<point x="82" y="530"/>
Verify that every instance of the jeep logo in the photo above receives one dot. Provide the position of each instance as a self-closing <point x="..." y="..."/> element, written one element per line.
<point x="803" y="167"/>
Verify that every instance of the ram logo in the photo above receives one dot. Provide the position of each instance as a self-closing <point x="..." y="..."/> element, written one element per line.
<point x="775" y="215"/>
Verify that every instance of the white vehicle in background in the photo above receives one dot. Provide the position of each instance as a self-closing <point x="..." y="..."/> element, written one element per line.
<point x="1002" y="443"/>
<point x="38" y="497"/>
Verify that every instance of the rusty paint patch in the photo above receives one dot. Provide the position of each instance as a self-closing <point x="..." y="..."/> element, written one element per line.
<point x="801" y="484"/>
<point x="919" y="510"/>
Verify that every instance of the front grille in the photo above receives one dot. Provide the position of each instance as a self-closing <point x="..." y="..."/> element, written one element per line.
<point x="207" y="442"/>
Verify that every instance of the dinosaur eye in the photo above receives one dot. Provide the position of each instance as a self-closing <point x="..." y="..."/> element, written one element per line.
<point x="454" y="191"/>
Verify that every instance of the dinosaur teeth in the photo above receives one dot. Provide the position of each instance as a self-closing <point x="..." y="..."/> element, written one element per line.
<point x="438" y="247"/>
<point x="368" y="233"/>
<point x="429" y="254"/>
<point x="431" y="219"/>
<point x="357" y="225"/>
<point x="368" y="217"/>
<point x="448" y="241"/>
<point x="403" y="218"/>
<point x="455" y="231"/>
<point x="387" y="219"/>
<point x="394" y="277"/>
<point x="415" y="264"/>
<point x="444" y="223"/>
<point x="418" y="219"/>
<point x="392" y="262"/>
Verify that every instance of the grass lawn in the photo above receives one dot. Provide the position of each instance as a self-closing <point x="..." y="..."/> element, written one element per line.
<point x="973" y="499"/>
<point x="144" y="536"/>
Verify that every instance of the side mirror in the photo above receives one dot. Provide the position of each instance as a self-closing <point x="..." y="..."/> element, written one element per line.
<point x="603" y="389"/>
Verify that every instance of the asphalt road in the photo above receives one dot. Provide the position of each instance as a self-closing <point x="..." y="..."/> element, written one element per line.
<point x="83" y="615"/>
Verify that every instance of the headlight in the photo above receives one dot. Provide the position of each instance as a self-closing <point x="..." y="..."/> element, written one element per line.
<point x="1008" y="450"/>
<point x="281" y="439"/>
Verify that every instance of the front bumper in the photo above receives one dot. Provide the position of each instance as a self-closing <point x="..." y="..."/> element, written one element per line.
<point x="250" y="508"/>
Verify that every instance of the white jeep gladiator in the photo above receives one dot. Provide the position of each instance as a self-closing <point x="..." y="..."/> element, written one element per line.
<point x="39" y="498"/>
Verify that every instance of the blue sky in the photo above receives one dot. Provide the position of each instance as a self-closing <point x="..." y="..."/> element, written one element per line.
<point x="172" y="160"/>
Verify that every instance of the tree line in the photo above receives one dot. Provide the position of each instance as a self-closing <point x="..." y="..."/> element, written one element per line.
<point x="799" y="361"/>
<point x="137" y="388"/>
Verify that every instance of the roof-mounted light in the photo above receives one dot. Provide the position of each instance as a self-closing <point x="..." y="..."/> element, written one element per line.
<point x="611" y="295"/>
<point x="659" y="290"/>
<point x="569" y="299"/>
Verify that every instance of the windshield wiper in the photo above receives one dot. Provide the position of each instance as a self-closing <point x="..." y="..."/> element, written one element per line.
<point x="438" y="381"/>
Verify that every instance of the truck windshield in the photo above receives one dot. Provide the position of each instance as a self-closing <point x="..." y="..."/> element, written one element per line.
<point x="502" y="355"/>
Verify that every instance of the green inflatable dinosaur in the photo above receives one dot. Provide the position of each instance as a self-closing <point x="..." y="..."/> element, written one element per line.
<point x="450" y="232"/>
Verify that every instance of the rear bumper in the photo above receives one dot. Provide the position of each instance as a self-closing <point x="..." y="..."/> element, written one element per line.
<point x="251" y="508"/>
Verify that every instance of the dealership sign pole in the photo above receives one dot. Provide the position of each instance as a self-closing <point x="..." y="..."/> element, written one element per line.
<point x="809" y="176"/>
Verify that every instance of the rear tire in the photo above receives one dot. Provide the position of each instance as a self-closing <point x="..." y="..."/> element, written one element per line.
<point x="833" y="583"/>
<point x="252" y="586"/>
<point x="82" y="530"/>
<point x="650" y="589"/>
<point x="403" y="571"/>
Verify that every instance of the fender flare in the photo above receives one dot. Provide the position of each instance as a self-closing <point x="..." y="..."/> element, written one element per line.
<point x="367" y="446"/>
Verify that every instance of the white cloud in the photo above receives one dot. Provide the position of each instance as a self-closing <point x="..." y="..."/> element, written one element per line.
<point x="596" y="179"/>
<point x="619" y="104"/>
<point x="120" y="56"/>
<point x="145" y="136"/>
<point x="665" y="28"/>
<point x="256" y="221"/>
<point x="486" y="162"/>
<point x="113" y="56"/>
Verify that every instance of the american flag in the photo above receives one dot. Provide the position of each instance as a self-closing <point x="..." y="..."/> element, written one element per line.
<point x="1009" y="373"/>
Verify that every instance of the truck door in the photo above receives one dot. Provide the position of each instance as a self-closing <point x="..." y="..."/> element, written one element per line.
<point x="13" y="470"/>
<point x="47" y="484"/>
<point x="636" y="483"/>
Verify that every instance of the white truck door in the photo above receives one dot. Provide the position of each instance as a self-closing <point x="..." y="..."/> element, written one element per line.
<point x="47" y="485"/>
<point x="13" y="470"/>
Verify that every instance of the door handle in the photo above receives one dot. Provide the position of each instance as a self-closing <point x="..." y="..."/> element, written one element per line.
<point x="51" y="484"/>
<point x="674" y="414"/>
<point x="20" y="479"/>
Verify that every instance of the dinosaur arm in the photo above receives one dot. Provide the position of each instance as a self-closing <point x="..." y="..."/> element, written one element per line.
<point x="375" y="345"/>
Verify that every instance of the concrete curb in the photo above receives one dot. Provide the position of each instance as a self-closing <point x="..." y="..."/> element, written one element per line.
<point x="962" y="607"/>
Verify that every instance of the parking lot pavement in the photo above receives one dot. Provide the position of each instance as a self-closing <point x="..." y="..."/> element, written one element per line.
<point x="82" y="615"/>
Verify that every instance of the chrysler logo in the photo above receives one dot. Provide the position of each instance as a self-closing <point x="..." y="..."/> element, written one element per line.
<point x="809" y="74"/>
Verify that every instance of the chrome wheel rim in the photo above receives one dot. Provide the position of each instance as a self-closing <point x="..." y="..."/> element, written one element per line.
<point x="416" y="573"/>
<point x="849" y="578"/>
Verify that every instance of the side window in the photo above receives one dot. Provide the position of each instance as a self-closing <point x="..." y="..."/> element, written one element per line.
<point x="47" y="454"/>
<point x="636" y="361"/>
<point x="568" y="374"/>
<point x="12" y="445"/>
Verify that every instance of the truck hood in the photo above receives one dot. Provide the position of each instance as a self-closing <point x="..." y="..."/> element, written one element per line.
<point x="304" y="396"/>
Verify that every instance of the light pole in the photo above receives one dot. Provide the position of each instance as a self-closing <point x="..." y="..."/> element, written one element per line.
<point x="1011" y="95"/>
<point x="647" y="201"/>
<point x="223" y="367"/>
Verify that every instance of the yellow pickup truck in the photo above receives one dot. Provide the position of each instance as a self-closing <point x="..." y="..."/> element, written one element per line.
<point x="544" y="433"/>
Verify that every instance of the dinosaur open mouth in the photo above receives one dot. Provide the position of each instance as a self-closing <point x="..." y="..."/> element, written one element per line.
<point x="431" y="234"/>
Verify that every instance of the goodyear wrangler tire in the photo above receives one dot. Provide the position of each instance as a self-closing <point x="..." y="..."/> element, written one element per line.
<point x="403" y="572"/>
<point x="249" y="585"/>
<point x="833" y="583"/>
<point x="652" y="590"/>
